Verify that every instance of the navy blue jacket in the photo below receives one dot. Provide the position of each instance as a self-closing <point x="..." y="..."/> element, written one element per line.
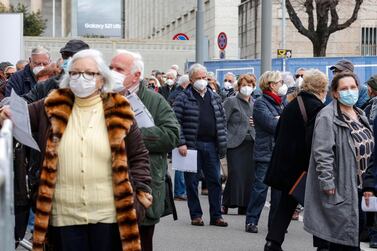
<point x="22" y="82"/>
<point x="186" y="109"/>
<point x="264" y="115"/>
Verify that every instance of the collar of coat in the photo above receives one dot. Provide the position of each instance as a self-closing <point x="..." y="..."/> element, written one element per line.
<point x="119" y="119"/>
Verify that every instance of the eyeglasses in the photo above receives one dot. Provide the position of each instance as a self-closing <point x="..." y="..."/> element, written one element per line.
<point x="40" y="63"/>
<point x="227" y="80"/>
<point x="299" y="75"/>
<point x="87" y="75"/>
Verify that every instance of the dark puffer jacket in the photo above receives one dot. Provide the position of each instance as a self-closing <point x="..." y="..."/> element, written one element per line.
<point x="21" y="82"/>
<point x="186" y="109"/>
<point x="265" y="114"/>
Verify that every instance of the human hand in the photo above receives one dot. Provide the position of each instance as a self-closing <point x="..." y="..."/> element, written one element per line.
<point x="4" y="114"/>
<point x="329" y="191"/>
<point x="182" y="150"/>
<point x="251" y="121"/>
<point x="367" y="195"/>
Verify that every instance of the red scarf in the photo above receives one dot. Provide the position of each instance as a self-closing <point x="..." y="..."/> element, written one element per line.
<point x="275" y="97"/>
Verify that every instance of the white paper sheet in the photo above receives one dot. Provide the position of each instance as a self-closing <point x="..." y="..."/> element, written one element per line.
<point x="186" y="164"/>
<point x="372" y="204"/>
<point x="142" y="115"/>
<point x="21" y="121"/>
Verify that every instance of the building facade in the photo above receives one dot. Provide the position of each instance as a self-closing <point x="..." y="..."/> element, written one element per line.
<point x="360" y="39"/>
<point x="162" y="19"/>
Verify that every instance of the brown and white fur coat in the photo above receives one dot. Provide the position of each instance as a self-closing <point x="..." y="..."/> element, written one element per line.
<point x="119" y="118"/>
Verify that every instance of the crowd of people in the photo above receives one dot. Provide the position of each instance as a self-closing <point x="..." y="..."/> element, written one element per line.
<point x="101" y="180"/>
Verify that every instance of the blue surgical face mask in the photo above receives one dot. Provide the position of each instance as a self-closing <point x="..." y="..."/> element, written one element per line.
<point x="348" y="97"/>
<point x="65" y="64"/>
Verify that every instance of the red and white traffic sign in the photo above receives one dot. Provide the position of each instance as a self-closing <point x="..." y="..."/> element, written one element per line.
<point x="222" y="40"/>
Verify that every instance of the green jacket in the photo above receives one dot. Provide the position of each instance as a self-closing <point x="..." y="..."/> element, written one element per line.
<point x="159" y="140"/>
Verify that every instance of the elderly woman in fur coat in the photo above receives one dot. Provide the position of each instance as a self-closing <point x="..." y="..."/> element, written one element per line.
<point x="94" y="167"/>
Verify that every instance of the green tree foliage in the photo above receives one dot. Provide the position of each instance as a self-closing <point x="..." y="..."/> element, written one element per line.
<point x="34" y="24"/>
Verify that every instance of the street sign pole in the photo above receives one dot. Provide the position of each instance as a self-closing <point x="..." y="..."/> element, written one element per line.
<point x="199" y="57"/>
<point x="266" y="59"/>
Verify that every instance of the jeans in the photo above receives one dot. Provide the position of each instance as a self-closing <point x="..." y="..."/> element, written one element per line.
<point x="179" y="184"/>
<point x="258" y="194"/>
<point x="208" y="161"/>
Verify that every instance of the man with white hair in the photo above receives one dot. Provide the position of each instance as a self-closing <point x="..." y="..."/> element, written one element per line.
<point x="203" y="128"/>
<point x="170" y="85"/>
<point x="22" y="81"/>
<point x="228" y="88"/>
<point x="128" y="68"/>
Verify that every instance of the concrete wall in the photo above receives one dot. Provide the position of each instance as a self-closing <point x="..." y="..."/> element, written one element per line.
<point x="156" y="54"/>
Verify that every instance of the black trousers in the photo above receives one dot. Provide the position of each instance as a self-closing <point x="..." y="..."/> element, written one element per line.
<point x="339" y="247"/>
<point x="146" y="237"/>
<point x="91" y="237"/>
<point x="281" y="218"/>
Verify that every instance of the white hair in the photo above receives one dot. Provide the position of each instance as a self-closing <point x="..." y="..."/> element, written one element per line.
<point x="183" y="79"/>
<point x="231" y="74"/>
<point x="171" y="72"/>
<point x="288" y="79"/>
<point x="211" y="74"/>
<point x="137" y="65"/>
<point x="40" y="50"/>
<point x="101" y="64"/>
<point x="195" y="68"/>
<point x="174" y="67"/>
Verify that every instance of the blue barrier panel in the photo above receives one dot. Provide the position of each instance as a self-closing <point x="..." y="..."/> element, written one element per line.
<point x="364" y="66"/>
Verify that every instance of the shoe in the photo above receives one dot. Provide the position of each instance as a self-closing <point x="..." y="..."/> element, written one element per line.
<point x="373" y="244"/>
<point x="180" y="197"/>
<point x="242" y="211"/>
<point x="204" y="191"/>
<point x="251" y="228"/>
<point x="224" y="210"/>
<point x="296" y="215"/>
<point x="219" y="222"/>
<point x="272" y="246"/>
<point x="322" y="249"/>
<point x="197" y="222"/>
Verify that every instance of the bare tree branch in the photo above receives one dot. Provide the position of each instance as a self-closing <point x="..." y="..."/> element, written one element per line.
<point x="296" y="21"/>
<point x="351" y="19"/>
<point x="309" y="10"/>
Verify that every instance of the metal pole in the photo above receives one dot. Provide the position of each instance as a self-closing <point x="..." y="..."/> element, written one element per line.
<point x="53" y="18"/>
<point x="283" y="29"/>
<point x="199" y="53"/>
<point x="74" y="18"/>
<point x="266" y="47"/>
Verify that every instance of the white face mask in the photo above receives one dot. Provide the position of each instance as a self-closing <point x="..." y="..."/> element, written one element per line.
<point x="246" y="90"/>
<point x="83" y="88"/>
<point x="169" y="82"/>
<point x="299" y="81"/>
<point x="37" y="69"/>
<point x="227" y="85"/>
<point x="200" y="84"/>
<point x="283" y="90"/>
<point x="118" y="81"/>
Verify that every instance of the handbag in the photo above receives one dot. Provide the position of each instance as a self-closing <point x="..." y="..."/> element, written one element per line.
<point x="298" y="189"/>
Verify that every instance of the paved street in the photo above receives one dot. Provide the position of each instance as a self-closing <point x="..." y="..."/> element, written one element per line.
<point x="180" y="235"/>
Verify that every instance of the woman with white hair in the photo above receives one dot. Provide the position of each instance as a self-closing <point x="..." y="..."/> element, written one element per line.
<point x="91" y="144"/>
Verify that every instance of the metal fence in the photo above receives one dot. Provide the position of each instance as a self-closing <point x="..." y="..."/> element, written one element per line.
<point x="6" y="188"/>
<point x="364" y="66"/>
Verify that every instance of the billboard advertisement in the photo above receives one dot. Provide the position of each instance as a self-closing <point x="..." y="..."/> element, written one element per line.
<point x="98" y="18"/>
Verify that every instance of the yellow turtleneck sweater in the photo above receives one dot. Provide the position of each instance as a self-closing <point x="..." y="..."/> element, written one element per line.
<point x="84" y="192"/>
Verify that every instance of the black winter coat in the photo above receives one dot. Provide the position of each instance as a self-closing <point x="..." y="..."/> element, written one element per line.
<point x="41" y="90"/>
<point x="291" y="154"/>
<point x="21" y="82"/>
<point x="265" y="112"/>
<point x="186" y="109"/>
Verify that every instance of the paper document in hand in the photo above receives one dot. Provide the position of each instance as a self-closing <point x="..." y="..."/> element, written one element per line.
<point x="21" y="121"/>
<point x="142" y="115"/>
<point x="372" y="204"/>
<point x="186" y="164"/>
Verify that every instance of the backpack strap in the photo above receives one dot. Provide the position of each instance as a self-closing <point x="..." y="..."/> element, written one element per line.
<point x="302" y="109"/>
